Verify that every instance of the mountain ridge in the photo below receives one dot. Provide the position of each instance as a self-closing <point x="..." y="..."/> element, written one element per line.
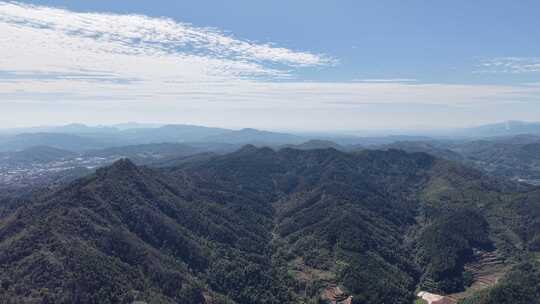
<point x="258" y="226"/>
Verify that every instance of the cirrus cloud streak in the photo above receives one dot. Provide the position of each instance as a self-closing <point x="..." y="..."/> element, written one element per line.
<point x="60" y="59"/>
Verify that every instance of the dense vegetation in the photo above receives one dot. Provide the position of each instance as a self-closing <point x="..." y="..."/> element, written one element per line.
<point x="515" y="157"/>
<point x="448" y="243"/>
<point x="260" y="226"/>
<point x="519" y="286"/>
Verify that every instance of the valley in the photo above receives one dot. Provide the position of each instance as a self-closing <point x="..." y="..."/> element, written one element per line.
<point x="305" y="224"/>
<point x="315" y="221"/>
<point x="269" y="152"/>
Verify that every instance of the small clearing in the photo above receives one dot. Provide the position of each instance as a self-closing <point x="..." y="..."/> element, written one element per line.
<point x="432" y="298"/>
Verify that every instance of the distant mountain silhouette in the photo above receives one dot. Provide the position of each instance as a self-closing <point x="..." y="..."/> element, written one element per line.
<point x="254" y="136"/>
<point x="315" y="144"/>
<point x="507" y="128"/>
<point x="55" y="140"/>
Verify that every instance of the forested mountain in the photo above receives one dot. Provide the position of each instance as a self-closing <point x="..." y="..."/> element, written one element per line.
<point x="514" y="157"/>
<point x="511" y="157"/>
<point x="520" y="285"/>
<point x="434" y="148"/>
<point x="265" y="226"/>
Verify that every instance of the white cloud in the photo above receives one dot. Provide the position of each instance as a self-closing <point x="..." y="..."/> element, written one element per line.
<point x="387" y="80"/>
<point x="514" y="65"/>
<point x="44" y="38"/>
<point x="73" y="65"/>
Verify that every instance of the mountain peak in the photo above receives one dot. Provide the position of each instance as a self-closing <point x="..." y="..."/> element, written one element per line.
<point x="124" y="164"/>
<point x="120" y="168"/>
<point x="249" y="148"/>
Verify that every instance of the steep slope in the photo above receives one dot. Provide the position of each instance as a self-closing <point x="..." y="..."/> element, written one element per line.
<point x="375" y="222"/>
<point x="264" y="226"/>
<point x="520" y="286"/>
<point x="126" y="234"/>
<point x="344" y="228"/>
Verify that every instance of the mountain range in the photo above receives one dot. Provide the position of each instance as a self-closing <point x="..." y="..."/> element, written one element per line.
<point x="191" y="214"/>
<point x="511" y="157"/>
<point x="80" y="137"/>
<point x="265" y="226"/>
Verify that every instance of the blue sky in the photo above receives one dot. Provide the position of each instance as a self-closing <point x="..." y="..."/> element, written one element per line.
<point x="340" y="65"/>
